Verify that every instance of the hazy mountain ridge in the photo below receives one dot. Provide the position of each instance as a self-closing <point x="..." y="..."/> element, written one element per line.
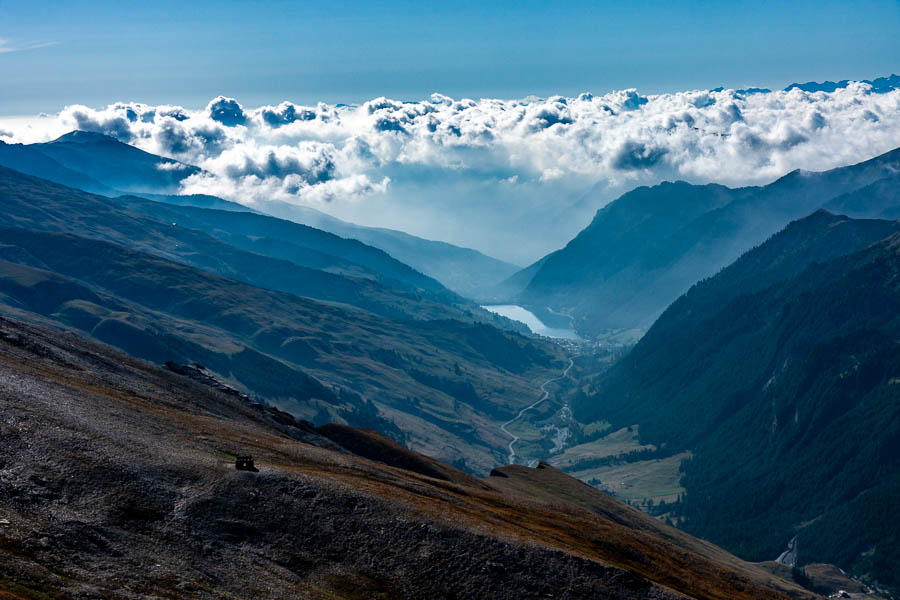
<point x="646" y="248"/>
<point x="196" y="200"/>
<point x="463" y="270"/>
<point x="879" y="200"/>
<point x="38" y="204"/>
<point x="287" y="240"/>
<point x="100" y="164"/>
<point x="777" y="373"/>
<point x="117" y="165"/>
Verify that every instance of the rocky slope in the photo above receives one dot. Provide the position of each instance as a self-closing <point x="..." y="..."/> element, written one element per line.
<point x="117" y="481"/>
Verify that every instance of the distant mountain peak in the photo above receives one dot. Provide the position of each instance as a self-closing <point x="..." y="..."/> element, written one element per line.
<point x="825" y="214"/>
<point x="84" y="137"/>
<point x="644" y="249"/>
<point x="744" y="91"/>
<point x="880" y="85"/>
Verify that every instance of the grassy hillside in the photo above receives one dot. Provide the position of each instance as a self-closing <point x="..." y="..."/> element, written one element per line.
<point x="119" y="482"/>
<point x="447" y="384"/>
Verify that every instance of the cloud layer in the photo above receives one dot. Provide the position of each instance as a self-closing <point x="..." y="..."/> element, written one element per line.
<point x="514" y="177"/>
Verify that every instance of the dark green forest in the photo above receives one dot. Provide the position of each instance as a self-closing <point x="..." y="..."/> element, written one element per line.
<point x="782" y="375"/>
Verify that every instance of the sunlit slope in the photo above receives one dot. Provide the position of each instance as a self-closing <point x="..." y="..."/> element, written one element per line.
<point x="108" y="459"/>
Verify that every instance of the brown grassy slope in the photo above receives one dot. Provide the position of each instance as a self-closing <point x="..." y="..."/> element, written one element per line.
<point x="549" y="485"/>
<point x="117" y="480"/>
<point x="370" y="444"/>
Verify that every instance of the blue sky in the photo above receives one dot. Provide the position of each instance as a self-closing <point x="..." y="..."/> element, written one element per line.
<point x="59" y="53"/>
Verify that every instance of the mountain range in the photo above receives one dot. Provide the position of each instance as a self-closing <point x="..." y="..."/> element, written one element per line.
<point x="100" y="164"/>
<point x="779" y="375"/>
<point x="880" y="85"/>
<point x="649" y="246"/>
<point x="37" y="204"/>
<point x="371" y="394"/>
<point x="324" y="345"/>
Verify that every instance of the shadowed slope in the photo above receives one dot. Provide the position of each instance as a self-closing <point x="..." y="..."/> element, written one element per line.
<point x="646" y="248"/>
<point x="374" y="446"/>
<point x="779" y="375"/>
<point x="548" y="484"/>
<point x="34" y="203"/>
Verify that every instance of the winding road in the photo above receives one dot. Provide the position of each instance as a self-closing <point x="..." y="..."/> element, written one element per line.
<point x="546" y="394"/>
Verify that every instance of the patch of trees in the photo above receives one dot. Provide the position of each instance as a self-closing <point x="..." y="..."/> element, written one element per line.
<point x="622" y="459"/>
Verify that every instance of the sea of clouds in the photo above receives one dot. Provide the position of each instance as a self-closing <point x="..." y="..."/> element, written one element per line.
<point x="515" y="178"/>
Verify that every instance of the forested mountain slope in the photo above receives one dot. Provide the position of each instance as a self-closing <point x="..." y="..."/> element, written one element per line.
<point x="780" y="375"/>
<point x="646" y="248"/>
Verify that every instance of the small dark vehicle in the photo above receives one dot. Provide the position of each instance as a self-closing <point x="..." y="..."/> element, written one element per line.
<point x="245" y="463"/>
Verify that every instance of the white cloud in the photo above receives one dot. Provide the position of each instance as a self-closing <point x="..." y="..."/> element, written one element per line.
<point x="226" y="111"/>
<point x="7" y="46"/>
<point x="171" y="166"/>
<point x="445" y="167"/>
